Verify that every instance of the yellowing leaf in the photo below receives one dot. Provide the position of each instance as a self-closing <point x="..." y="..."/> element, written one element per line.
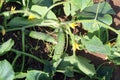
<point x="73" y="25"/>
<point x="76" y="46"/>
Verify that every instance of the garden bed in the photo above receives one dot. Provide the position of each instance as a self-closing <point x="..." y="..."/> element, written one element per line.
<point x="59" y="40"/>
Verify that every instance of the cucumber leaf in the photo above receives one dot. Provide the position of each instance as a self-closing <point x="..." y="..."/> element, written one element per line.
<point x="95" y="45"/>
<point x="43" y="2"/>
<point x="19" y="21"/>
<point x="93" y="26"/>
<point x="72" y="6"/>
<point x="79" y="64"/>
<point x="6" y="46"/>
<point x="41" y="10"/>
<point x="37" y="75"/>
<point x="6" y="71"/>
<point x="90" y="12"/>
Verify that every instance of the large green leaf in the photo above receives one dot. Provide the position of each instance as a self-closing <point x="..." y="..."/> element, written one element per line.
<point x="90" y="13"/>
<point x="79" y="64"/>
<point x="54" y="1"/>
<point x="42" y="36"/>
<point x="82" y="4"/>
<point x="67" y="9"/>
<point x="102" y="34"/>
<point x="94" y="25"/>
<point x="37" y="75"/>
<point x="19" y="21"/>
<point x="91" y="26"/>
<point x="6" y="46"/>
<point x="47" y="3"/>
<point x="6" y="71"/>
<point x="70" y="7"/>
<point x="41" y="10"/>
<point x="107" y="19"/>
<point x="104" y="8"/>
<point x="13" y="1"/>
<point x="95" y="45"/>
<point x="69" y="71"/>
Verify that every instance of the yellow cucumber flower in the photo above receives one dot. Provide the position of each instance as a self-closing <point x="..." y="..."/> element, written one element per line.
<point x="30" y="17"/>
<point x="111" y="44"/>
<point x="76" y="46"/>
<point x="13" y="8"/>
<point x="106" y="57"/>
<point x="73" y="25"/>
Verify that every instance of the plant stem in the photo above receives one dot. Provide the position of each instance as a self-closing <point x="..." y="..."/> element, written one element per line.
<point x="108" y="27"/>
<point x="5" y="22"/>
<point x="15" y="59"/>
<point x="72" y="38"/>
<point x="103" y="24"/>
<point x="67" y="41"/>
<point x="29" y="26"/>
<point x="19" y="28"/>
<point x="23" y="48"/>
<point x="101" y="66"/>
<point x="97" y="11"/>
<point x="60" y="3"/>
<point x="27" y="54"/>
<point x="23" y="2"/>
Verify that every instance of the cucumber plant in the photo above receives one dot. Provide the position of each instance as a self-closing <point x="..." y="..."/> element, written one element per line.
<point x="95" y="19"/>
